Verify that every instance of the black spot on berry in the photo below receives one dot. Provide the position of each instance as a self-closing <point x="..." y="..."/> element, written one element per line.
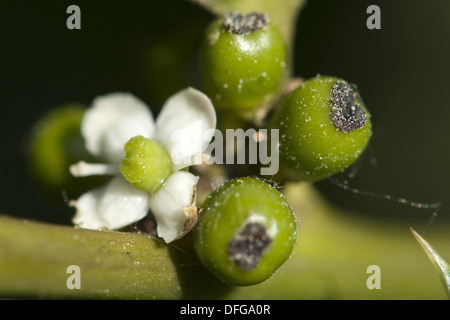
<point x="345" y="113"/>
<point x="246" y="248"/>
<point x="236" y="23"/>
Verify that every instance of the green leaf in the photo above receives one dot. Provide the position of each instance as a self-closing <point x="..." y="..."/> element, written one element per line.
<point x="438" y="262"/>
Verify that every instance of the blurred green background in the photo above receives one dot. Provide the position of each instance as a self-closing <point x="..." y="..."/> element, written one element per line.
<point x="150" y="49"/>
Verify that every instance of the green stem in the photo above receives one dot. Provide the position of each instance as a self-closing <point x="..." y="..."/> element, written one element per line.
<point x="34" y="260"/>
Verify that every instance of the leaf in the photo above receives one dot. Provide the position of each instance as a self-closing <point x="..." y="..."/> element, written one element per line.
<point x="439" y="263"/>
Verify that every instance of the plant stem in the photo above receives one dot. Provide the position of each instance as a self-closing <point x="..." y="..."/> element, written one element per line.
<point x="34" y="258"/>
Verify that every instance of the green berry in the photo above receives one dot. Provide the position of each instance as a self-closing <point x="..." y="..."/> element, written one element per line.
<point x="146" y="164"/>
<point x="56" y="143"/>
<point x="324" y="127"/>
<point x="243" y="61"/>
<point x="246" y="231"/>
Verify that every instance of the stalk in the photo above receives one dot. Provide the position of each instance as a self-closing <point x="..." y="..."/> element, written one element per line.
<point x="35" y="257"/>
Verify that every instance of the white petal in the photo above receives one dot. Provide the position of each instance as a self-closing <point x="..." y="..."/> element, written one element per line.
<point x="84" y="169"/>
<point x="185" y="126"/>
<point x="170" y="202"/>
<point x="112" y="120"/>
<point x="112" y="206"/>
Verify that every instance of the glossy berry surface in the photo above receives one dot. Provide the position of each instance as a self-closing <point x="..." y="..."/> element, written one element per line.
<point x="324" y="127"/>
<point x="245" y="232"/>
<point x="243" y="61"/>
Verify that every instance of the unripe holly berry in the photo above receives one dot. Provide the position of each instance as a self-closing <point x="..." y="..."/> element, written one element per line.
<point x="246" y="231"/>
<point x="324" y="127"/>
<point x="55" y="143"/>
<point x="243" y="61"/>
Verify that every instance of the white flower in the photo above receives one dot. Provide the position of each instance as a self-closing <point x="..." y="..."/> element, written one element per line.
<point x="107" y="126"/>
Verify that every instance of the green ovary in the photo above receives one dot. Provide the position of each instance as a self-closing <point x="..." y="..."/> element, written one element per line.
<point x="146" y="164"/>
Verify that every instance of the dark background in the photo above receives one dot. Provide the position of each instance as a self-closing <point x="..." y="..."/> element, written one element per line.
<point x="150" y="49"/>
